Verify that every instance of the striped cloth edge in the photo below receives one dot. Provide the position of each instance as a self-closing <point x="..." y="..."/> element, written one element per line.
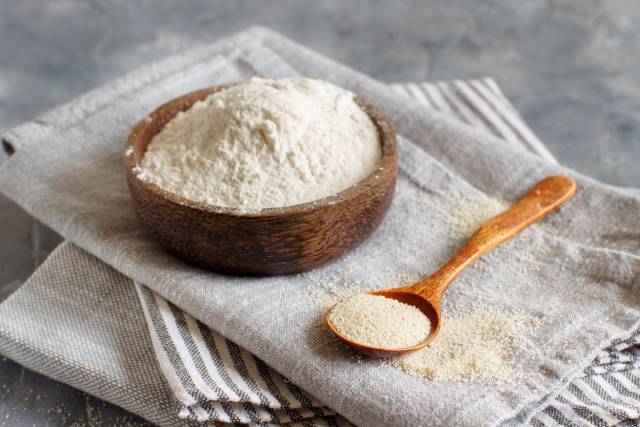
<point x="216" y="381"/>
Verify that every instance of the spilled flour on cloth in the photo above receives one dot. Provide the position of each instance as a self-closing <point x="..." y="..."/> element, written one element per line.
<point x="476" y="342"/>
<point x="472" y="214"/>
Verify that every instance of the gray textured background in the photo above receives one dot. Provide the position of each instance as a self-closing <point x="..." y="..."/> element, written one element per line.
<point x="572" y="69"/>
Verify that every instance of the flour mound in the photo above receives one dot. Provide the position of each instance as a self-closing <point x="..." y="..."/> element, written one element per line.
<point x="264" y="144"/>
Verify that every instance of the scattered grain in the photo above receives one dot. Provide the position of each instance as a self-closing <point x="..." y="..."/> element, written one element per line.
<point x="475" y="343"/>
<point x="472" y="214"/>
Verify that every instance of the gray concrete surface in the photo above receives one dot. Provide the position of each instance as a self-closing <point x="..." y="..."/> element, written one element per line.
<point x="570" y="67"/>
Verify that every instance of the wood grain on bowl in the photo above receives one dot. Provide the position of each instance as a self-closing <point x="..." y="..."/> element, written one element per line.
<point x="271" y="241"/>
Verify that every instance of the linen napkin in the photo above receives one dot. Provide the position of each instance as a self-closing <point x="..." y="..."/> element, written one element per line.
<point x="174" y="335"/>
<point x="100" y="221"/>
<point x="605" y="393"/>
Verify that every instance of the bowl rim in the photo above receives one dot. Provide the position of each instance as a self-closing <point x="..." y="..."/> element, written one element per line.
<point x="388" y="160"/>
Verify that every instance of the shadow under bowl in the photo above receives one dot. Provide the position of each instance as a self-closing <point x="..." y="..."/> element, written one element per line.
<point x="270" y="241"/>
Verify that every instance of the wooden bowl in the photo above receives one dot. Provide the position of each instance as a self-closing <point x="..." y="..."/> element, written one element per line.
<point x="272" y="241"/>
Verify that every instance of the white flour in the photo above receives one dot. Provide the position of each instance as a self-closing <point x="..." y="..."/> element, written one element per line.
<point x="265" y="144"/>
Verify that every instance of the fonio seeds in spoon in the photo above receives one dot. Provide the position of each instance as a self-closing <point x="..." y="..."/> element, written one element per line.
<point x="377" y="321"/>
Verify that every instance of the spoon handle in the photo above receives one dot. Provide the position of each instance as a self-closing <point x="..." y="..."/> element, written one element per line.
<point x="543" y="199"/>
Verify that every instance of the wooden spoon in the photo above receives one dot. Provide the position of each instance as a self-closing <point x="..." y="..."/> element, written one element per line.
<point x="426" y="295"/>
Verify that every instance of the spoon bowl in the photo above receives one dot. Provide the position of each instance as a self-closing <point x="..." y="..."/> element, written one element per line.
<point x="426" y="295"/>
<point x="430" y="310"/>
